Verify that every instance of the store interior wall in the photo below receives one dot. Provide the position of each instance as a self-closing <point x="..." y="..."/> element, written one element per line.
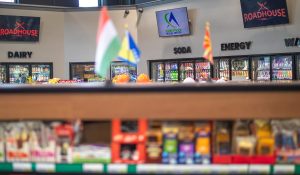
<point x="226" y="26"/>
<point x="80" y="30"/>
<point x="50" y="47"/>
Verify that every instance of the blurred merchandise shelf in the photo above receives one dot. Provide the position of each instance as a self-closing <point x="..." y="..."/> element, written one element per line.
<point x="149" y="168"/>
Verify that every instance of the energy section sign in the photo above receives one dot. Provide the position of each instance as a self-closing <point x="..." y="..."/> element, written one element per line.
<point x="264" y="12"/>
<point x="19" y="28"/>
<point x="173" y="22"/>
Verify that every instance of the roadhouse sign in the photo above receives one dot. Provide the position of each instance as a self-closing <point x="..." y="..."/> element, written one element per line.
<point x="19" y="28"/>
<point x="264" y="12"/>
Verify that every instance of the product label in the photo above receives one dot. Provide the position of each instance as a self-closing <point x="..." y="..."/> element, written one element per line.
<point x="42" y="154"/>
<point x="93" y="168"/>
<point x="45" y="167"/>
<point x="17" y="154"/>
<point x="22" y="167"/>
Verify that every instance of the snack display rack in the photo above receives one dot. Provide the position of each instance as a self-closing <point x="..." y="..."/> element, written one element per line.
<point x="168" y="102"/>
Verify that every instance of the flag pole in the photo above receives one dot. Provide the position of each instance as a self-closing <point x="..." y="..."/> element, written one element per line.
<point x="128" y="52"/>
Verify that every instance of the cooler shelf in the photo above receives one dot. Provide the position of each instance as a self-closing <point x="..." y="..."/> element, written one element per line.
<point x="149" y="168"/>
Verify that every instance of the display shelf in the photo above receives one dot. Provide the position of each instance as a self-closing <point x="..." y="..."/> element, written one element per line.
<point x="149" y="168"/>
<point x="152" y="101"/>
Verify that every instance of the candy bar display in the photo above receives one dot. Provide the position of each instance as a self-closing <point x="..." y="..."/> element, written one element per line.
<point x="2" y="141"/>
<point x="128" y="141"/>
<point x="17" y="142"/>
<point x="91" y="154"/>
<point x="42" y="141"/>
<point x="170" y="144"/>
<point x="222" y="142"/>
<point x="202" y="143"/>
<point x="186" y="139"/>
<point x="154" y="143"/>
<point x="64" y="143"/>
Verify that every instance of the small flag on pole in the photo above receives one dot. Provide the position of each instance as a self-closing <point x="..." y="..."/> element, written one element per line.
<point x="207" y="46"/>
<point x="108" y="43"/>
<point x="129" y="51"/>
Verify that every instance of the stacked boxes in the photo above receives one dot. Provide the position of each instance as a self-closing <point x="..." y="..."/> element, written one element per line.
<point x="128" y="141"/>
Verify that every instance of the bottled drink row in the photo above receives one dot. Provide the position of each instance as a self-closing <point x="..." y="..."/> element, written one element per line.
<point x="171" y="66"/>
<point x="224" y="65"/>
<point x="240" y="73"/>
<point x="282" y="75"/>
<point x="263" y="75"/>
<point x="40" y="77"/>
<point x="18" y="69"/>
<point x="264" y="64"/>
<point x="224" y="74"/>
<point x="171" y="75"/>
<point x="40" y="69"/>
<point x="282" y="63"/>
<point x="240" y="65"/>
<point x="202" y="65"/>
<point x="203" y="74"/>
<point x="187" y="74"/>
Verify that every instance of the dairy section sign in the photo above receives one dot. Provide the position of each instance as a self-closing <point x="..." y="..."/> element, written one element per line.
<point x="258" y="13"/>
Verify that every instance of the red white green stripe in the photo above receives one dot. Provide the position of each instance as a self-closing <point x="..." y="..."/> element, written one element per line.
<point x="108" y="43"/>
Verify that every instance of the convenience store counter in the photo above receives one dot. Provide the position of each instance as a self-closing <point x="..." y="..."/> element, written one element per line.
<point x="151" y="101"/>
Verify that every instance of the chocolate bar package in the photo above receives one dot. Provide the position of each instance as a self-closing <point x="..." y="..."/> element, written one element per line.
<point x="202" y="143"/>
<point x="170" y="143"/>
<point x="186" y="138"/>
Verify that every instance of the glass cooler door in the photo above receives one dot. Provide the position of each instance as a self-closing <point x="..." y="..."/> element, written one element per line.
<point x="202" y="69"/>
<point x="157" y="72"/>
<point x="171" y="69"/>
<point x="222" y="68"/>
<point x="2" y="73"/>
<point x="18" y="73"/>
<point x="41" y="73"/>
<point x="186" y="70"/>
<point x="261" y="68"/>
<point x="119" y="68"/>
<point x="82" y="71"/>
<point x="282" y="67"/>
<point x="298" y="66"/>
<point x="240" y="69"/>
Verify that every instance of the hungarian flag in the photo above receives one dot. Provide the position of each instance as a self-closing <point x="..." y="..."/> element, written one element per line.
<point x="108" y="43"/>
<point x="207" y="46"/>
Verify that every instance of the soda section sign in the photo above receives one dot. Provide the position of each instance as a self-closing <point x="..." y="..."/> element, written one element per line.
<point x="258" y="13"/>
<point x="19" y="28"/>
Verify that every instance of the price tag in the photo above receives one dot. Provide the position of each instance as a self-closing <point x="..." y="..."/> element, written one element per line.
<point x="238" y="169"/>
<point x="117" y="168"/>
<point x="259" y="169"/>
<point x="219" y="169"/>
<point x="165" y="169"/>
<point x="146" y="168"/>
<point x="183" y="169"/>
<point x="92" y="168"/>
<point x="22" y="167"/>
<point x="284" y="169"/>
<point x="201" y="169"/>
<point x="45" y="167"/>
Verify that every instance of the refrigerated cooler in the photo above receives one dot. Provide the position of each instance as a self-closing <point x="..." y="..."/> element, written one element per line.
<point x="261" y="68"/>
<point x="282" y="67"/>
<point x="239" y="69"/>
<point x="171" y="71"/>
<point x="186" y="70"/>
<point x="298" y="66"/>
<point x="41" y="72"/>
<point x="3" y="74"/>
<point x="221" y="69"/>
<point x="157" y="71"/>
<point x="202" y="69"/>
<point x="119" y="68"/>
<point x="81" y="71"/>
<point x="18" y="73"/>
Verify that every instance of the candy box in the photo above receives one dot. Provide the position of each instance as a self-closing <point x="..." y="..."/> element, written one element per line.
<point x="154" y="143"/>
<point x="92" y="154"/>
